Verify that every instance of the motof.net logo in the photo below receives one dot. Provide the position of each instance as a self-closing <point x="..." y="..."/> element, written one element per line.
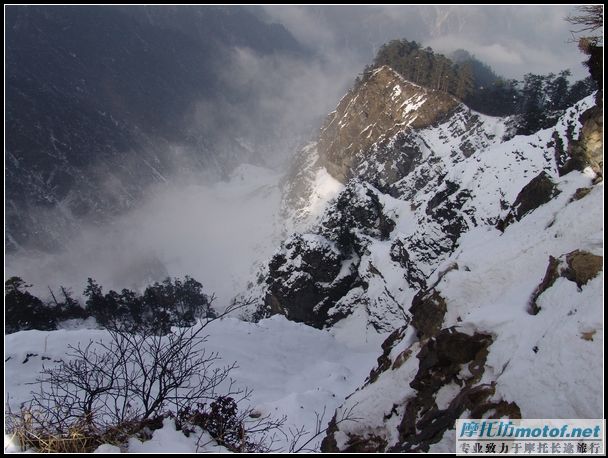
<point x="507" y="429"/>
<point x="515" y="437"/>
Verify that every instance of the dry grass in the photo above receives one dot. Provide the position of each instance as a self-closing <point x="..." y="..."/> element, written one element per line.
<point x="588" y="335"/>
<point x="74" y="440"/>
<point x="78" y="438"/>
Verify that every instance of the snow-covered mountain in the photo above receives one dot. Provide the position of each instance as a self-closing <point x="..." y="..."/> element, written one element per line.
<point x="477" y="252"/>
<point x="475" y="256"/>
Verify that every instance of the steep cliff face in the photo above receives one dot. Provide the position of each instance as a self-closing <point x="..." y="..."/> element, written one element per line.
<point x="474" y="252"/>
<point x="588" y="149"/>
<point x="412" y="194"/>
<point x="382" y="106"/>
<point x="510" y="326"/>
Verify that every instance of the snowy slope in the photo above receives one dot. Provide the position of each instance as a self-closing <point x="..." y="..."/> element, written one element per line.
<point x="293" y="370"/>
<point x="471" y="252"/>
<point x="547" y="364"/>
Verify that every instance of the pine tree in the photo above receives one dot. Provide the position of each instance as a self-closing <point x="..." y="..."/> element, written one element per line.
<point x="464" y="83"/>
<point x="557" y="90"/>
<point x="23" y="311"/>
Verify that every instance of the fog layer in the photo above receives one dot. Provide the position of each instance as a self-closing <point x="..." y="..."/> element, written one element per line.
<point x="212" y="232"/>
<point x="216" y="229"/>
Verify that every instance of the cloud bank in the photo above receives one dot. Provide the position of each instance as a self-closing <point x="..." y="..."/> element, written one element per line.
<point x="514" y="40"/>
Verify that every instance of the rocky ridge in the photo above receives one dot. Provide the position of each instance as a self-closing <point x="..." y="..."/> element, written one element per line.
<point x="410" y="196"/>
<point x="438" y="238"/>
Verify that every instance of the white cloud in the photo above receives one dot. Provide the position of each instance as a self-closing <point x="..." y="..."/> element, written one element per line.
<point x="517" y="39"/>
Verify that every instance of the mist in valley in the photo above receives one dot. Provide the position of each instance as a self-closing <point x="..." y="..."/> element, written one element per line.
<point x="219" y="221"/>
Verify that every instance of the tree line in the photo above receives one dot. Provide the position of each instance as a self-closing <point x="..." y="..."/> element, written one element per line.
<point x="172" y="302"/>
<point x="538" y="99"/>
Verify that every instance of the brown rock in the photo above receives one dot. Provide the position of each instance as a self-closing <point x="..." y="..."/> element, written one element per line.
<point x="577" y="266"/>
<point x="580" y="193"/>
<point x="551" y="274"/>
<point x="588" y="149"/>
<point x="537" y="192"/>
<point x="583" y="266"/>
<point x="373" y="112"/>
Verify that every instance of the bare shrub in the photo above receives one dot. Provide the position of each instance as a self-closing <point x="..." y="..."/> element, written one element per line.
<point x="121" y="382"/>
<point x="109" y="390"/>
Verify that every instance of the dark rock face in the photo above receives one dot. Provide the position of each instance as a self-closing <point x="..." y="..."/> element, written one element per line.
<point x="357" y="213"/>
<point x="551" y="275"/>
<point x="375" y="112"/>
<point x="428" y="309"/>
<point x="303" y="281"/>
<point x="537" y="192"/>
<point x="400" y="254"/>
<point x="448" y="357"/>
<point x="399" y="156"/>
<point x="309" y="278"/>
<point x="444" y="206"/>
<point x="417" y="436"/>
<point x="441" y="358"/>
<point x="441" y="361"/>
<point x="384" y="362"/>
<point x="444" y="220"/>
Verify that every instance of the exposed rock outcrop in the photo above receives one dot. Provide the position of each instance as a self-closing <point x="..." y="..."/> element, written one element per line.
<point x="428" y="309"/>
<point x="578" y="266"/>
<point x="537" y="192"/>
<point x="448" y="359"/>
<point x="305" y="280"/>
<point x="322" y="277"/>
<point x="582" y="266"/>
<point x="588" y="149"/>
<point x="384" y="105"/>
<point x="357" y="213"/>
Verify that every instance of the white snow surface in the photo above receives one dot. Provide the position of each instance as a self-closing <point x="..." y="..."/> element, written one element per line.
<point x="293" y="370"/>
<point x="541" y="362"/>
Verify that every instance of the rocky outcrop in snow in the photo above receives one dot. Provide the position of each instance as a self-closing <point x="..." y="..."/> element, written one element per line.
<point x="578" y="266"/>
<point x="410" y="248"/>
<point x="411" y="194"/>
<point x="588" y="150"/>
<point x="380" y="108"/>
<point x="474" y="348"/>
<point x="321" y="277"/>
<point x="539" y="191"/>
